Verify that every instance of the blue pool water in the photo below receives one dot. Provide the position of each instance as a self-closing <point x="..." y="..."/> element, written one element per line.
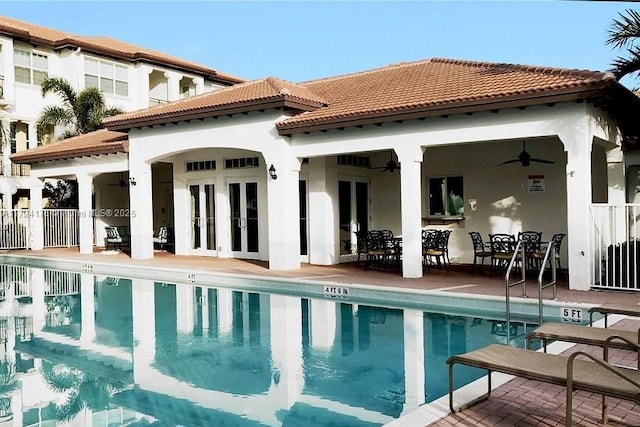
<point x="142" y="352"/>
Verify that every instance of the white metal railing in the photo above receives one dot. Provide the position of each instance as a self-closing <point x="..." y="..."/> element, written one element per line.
<point x="15" y="277"/>
<point x="59" y="283"/>
<point x="60" y="227"/>
<point x="14" y="229"/>
<point x="615" y="243"/>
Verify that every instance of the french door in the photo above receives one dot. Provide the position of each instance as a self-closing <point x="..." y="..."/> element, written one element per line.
<point x="244" y="218"/>
<point x="353" y="195"/>
<point x="203" y="221"/>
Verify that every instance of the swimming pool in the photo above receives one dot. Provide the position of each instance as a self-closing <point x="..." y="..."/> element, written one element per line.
<point x="136" y="350"/>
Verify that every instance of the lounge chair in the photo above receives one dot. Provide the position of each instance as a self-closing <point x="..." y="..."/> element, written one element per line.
<point x="594" y="375"/>
<point x="581" y="334"/>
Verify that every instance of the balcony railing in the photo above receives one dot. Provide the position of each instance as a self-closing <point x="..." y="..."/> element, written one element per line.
<point x="154" y="102"/>
<point x="16" y="170"/>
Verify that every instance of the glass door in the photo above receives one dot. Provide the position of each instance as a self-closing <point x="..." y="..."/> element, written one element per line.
<point x="203" y="223"/>
<point x="245" y="227"/>
<point x="353" y="195"/>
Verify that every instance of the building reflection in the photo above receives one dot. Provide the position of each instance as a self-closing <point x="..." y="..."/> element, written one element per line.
<point x="134" y="350"/>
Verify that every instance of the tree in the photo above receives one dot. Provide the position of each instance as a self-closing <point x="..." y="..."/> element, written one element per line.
<point x="80" y="112"/>
<point x="625" y="33"/>
<point x="62" y="194"/>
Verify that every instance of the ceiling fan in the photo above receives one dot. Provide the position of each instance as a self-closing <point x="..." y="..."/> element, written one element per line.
<point x="391" y="165"/>
<point x="525" y="158"/>
<point x="122" y="183"/>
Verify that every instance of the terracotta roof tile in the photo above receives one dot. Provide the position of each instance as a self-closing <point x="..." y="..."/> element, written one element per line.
<point x="102" y="141"/>
<point x="437" y="84"/>
<point x="104" y="45"/>
<point x="251" y="95"/>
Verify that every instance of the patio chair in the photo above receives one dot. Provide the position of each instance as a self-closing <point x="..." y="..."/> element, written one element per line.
<point x="113" y="238"/>
<point x="538" y="256"/>
<point x="531" y="241"/>
<point x="164" y="238"/>
<point x="439" y="253"/>
<point x="481" y="249"/>
<point x="595" y="375"/>
<point x="503" y="247"/>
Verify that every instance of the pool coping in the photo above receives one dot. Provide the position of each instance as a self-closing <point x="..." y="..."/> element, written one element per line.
<point x="433" y="300"/>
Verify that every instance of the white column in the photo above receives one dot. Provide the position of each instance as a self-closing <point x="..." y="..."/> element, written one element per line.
<point x="173" y="85"/>
<point x="36" y="221"/>
<point x="85" y="184"/>
<point x="225" y="311"/>
<point x="33" y="135"/>
<point x="414" y="377"/>
<point x="37" y="297"/>
<point x="87" y="307"/>
<point x="140" y="209"/>
<point x="578" y="147"/>
<point x="283" y="216"/>
<point x="410" y="159"/>
<point x="286" y="349"/>
<point x="185" y="308"/>
<point x="323" y="249"/>
<point x="144" y="327"/>
<point x="323" y="320"/>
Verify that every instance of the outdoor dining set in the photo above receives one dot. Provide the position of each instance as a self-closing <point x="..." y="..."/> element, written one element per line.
<point x="500" y="248"/>
<point x="383" y="251"/>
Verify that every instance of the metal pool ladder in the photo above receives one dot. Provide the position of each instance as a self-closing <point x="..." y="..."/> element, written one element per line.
<point x="550" y="254"/>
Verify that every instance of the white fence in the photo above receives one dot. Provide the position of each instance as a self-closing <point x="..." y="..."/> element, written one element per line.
<point x="60" y="228"/>
<point x="615" y="243"/>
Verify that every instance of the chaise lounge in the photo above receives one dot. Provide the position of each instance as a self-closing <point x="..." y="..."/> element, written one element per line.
<point x="594" y="375"/>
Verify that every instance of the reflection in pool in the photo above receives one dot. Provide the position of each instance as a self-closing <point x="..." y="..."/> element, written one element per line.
<point x="106" y="350"/>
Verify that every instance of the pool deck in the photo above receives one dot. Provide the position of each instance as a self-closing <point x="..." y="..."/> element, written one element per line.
<point x="516" y="402"/>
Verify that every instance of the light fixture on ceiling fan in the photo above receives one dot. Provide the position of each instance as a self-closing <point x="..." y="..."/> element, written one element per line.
<point x="525" y="158"/>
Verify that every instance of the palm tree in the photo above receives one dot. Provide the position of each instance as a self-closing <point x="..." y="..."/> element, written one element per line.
<point x="82" y="389"/>
<point x="80" y="112"/>
<point x="625" y="33"/>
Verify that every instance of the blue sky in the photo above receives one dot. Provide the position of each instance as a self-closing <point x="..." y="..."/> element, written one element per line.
<point x="304" y="40"/>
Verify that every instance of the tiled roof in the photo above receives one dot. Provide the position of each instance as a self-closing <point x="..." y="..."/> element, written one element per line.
<point x="408" y="90"/>
<point x="437" y="85"/>
<point x="90" y="144"/>
<point x="55" y="39"/>
<point x="264" y="93"/>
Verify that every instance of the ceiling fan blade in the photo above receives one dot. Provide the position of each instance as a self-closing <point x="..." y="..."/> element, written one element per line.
<point x="542" y="161"/>
<point x="509" y="161"/>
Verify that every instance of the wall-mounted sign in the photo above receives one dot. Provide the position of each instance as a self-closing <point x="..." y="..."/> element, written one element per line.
<point x="536" y="183"/>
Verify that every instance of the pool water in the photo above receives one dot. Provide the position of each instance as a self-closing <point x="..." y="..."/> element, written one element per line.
<point x="138" y="352"/>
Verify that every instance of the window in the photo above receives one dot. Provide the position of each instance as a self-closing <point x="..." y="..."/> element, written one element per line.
<point x="30" y="68"/>
<point x="203" y="165"/>
<point x="445" y="196"/>
<point x="241" y="163"/>
<point x="109" y="77"/>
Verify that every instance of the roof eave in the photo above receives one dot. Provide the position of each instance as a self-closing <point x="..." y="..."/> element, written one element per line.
<point x="65" y="155"/>
<point x="464" y="107"/>
<point x="216" y="111"/>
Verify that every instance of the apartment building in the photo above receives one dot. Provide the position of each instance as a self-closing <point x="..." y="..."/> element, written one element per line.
<point x="130" y="77"/>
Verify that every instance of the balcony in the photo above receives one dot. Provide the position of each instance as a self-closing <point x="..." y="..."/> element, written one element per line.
<point x="16" y="170"/>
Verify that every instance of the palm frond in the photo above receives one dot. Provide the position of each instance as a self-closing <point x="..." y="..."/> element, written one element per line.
<point x="4" y="132"/>
<point x="71" y="407"/>
<point x="90" y="110"/>
<point x="61" y="87"/>
<point x="52" y="116"/>
<point x="630" y="64"/>
<point x="625" y="30"/>
<point x="60" y="381"/>
<point x="113" y="111"/>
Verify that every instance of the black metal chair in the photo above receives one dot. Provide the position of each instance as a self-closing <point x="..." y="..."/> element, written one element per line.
<point x="438" y="253"/>
<point x="503" y="247"/>
<point x="481" y="249"/>
<point x="532" y="244"/>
